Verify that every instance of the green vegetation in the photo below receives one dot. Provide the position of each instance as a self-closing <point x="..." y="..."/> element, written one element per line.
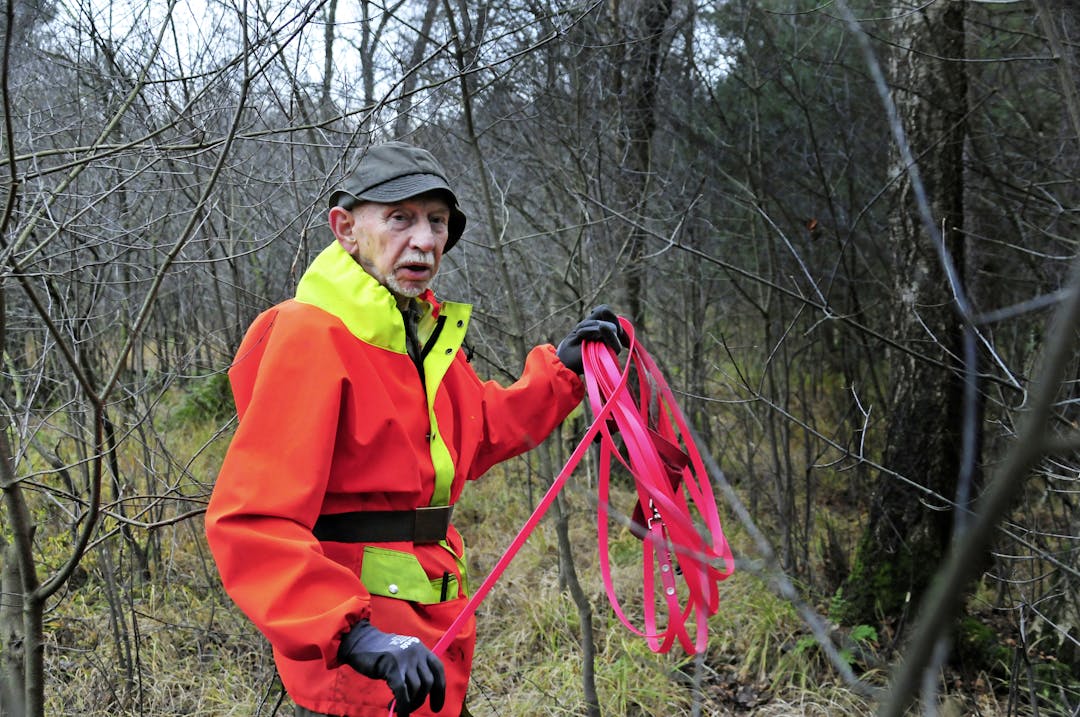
<point x="185" y="649"/>
<point x="209" y="399"/>
<point x="182" y="647"/>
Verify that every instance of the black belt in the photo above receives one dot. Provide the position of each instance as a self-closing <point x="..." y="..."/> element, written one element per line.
<point x="423" y="525"/>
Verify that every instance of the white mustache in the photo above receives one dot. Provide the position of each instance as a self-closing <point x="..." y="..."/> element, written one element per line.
<point x="417" y="257"/>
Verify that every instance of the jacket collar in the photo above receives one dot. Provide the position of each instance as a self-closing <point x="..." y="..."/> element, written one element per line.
<point x="335" y="283"/>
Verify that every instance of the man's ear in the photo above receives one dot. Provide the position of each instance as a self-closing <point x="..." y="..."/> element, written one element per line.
<point x="342" y="222"/>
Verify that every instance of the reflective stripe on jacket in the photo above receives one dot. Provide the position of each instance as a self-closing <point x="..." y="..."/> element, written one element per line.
<point x="334" y="417"/>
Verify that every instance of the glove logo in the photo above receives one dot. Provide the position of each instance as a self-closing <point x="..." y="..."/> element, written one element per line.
<point x="403" y="642"/>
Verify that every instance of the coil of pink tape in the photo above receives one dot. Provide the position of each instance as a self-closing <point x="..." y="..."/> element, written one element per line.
<point x="672" y="487"/>
<point x="665" y="477"/>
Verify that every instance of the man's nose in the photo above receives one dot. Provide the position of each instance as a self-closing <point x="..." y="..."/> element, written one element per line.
<point x="425" y="237"/>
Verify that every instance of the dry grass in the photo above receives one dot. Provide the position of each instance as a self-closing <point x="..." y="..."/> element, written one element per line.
<point x="528" y="659"/>
<point x="175" y="645"/>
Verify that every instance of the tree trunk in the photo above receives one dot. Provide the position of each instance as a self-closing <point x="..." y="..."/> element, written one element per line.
<point x="326" y="103"/>
<point x="642" y="65"/>
<point x="410" y="80"/>
<point x="908" y="531"/>
<point x="463" y="29"/>
<point x="22" y="637"/>
<point x="11" y="639"/>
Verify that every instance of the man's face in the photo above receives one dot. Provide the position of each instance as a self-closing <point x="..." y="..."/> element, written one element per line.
<point x="399" y="244"/>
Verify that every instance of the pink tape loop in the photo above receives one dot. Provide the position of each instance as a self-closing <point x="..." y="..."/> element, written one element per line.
<point x="672" y="487"/>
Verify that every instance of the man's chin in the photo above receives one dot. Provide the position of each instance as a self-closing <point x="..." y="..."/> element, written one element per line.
<point x="406" y="289"/>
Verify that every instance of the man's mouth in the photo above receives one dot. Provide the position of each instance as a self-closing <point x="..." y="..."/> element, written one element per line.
<point x="414" y="271"/>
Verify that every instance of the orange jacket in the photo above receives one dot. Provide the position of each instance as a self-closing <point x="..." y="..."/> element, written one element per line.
<point x="334" y="418"/>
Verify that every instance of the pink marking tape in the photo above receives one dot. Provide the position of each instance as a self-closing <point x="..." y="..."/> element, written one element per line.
<point x="665" y="476"/>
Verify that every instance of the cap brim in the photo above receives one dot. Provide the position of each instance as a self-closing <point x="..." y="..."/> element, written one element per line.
<point x="456" y="227"/>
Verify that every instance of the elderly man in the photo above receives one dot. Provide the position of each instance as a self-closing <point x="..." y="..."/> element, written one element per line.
<point x="360" y="422"/>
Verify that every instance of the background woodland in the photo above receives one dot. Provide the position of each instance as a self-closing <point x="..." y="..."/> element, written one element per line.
<point x="848" y="230"/>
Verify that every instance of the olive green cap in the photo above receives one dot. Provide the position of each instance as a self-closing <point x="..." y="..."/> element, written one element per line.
<point x="394" y="171"/>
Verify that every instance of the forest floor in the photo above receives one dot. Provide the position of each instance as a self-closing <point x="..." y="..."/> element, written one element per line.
<point x="184" y="649"/>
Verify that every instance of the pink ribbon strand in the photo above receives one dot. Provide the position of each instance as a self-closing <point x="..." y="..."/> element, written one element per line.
<point x="674" y="497"/>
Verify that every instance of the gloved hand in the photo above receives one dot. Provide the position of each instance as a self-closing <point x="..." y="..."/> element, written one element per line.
<point x="600" y="325"/>
<point x="410" y="669"/>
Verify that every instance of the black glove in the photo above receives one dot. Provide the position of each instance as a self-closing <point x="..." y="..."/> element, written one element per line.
<point x="410" y="669"/>
<point x="600" y="325"/>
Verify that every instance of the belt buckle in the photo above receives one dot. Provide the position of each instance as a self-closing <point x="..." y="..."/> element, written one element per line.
<point x="431" y="522"/>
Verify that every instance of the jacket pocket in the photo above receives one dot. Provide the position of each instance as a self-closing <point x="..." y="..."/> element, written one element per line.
<point x="399" y="575"/>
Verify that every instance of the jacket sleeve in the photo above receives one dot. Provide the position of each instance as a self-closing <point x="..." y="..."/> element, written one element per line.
<point x="519" y="417"/>
<point x="270" y="490"/>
